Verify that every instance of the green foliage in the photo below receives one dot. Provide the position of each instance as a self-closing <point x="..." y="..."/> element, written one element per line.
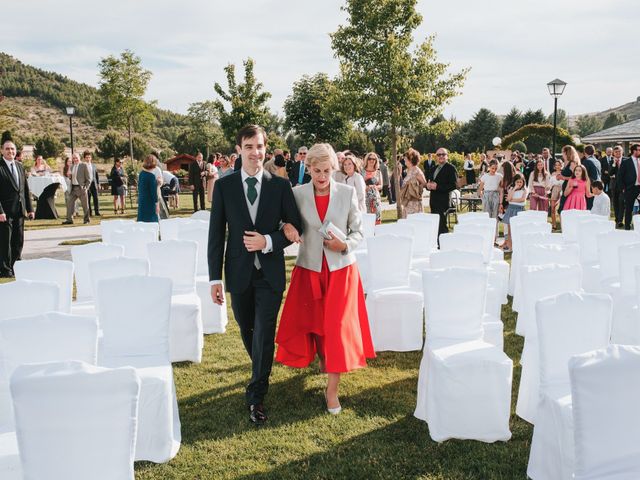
<point x="140" y="148"/>
<point x="438" y="133"/>
<point x="204" y="131"/>
<point x="311" y="112"/>
<point x="481" y="129"/>
<point x="112" y="146"/>
<point x="359" y="142"/>
<point x="544" y="131"/>
<point x="512" y="121"/>
<point x="132" y="170"/>
<point x="519" y="146"/>
<point x="48" y="146"/>
<point x="248" y="103"/>
<point x="533" y="116"/>
<point x="562" y="119"/>
<point x="588" y="124"/>
<point x="613" y="119"/>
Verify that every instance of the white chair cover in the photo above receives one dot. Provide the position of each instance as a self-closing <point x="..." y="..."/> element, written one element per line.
<point x="568" y="324"/>
<point x="136" y="333"/>
<point x="433" y="220"/>
<point x="59" y="272"/>
<point x="107" y="227"/>
<point x="201" y="215"/>
<point x="134" y="241"/>
<point x="48" y="337"/>
<point x="588" y="229"/>
<point x="169" y="227"/>
<point x="456" y="258"/>
<point x="153" y="227"/>
<point x="471" y="216"/>
<point x="389" y="258"/>
<point x="518" y="232"/>
<point x="636" y="223"/>
<point x="626" y="318"/>
<point x="176" y="260"/>
<point x="464" y="385"/>
<point x="10" y="468"/>
<point x="422" y="243"/>
<point x="23" y="298"/>
<point x="569" y="221"/>
<point x="214" y="316"/>
<point x="82" y="255"/>
<point x="486" y="229"/>
<point x="609" y="257"/>
<point x="467" y="242"/>
<point x="539" y="215"/>
<point x="368" y="224"/>
<point x="85" y="429"/>
<point x="606" y="395"/>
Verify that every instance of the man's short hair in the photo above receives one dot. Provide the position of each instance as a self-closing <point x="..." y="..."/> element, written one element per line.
<point x="8" y="140"/>
<point x="86" y="153"/>
<point x="618" y="148"/>
<point x="634" y="147"/>
<point x="589" y="150"/>
<point x="250" y="131"/>
<point x="597" y="184"/>
<point x="303" y="149"/>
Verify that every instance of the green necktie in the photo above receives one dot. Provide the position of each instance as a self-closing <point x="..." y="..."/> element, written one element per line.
<point x="252" y="193"/>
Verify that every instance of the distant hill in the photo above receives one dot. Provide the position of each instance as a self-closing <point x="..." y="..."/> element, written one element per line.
<point x="631" y="110"/>
<point x="37" y="101"/>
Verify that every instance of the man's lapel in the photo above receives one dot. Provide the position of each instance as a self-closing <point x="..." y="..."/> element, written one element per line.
<point x="8" y="173"/>
<point x="265" y="190"/>
<point x="242" y="199"/>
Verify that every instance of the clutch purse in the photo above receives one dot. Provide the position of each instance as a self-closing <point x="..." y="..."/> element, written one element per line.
<point x="330" y="227"/>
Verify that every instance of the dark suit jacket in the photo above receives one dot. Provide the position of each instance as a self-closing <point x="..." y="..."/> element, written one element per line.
<point x="277" y="204"/>
<point x="592" y="170"/>
<point x="238" y="163"/>
<point x="15" y="200"/>
<point x="626" y="177"/>
<point x="295" y="172"/>
<point x="604" y="170"/>
<point x="446" y="183"/>
<point x="195" y="177"/>
<point x="428" y="167"/>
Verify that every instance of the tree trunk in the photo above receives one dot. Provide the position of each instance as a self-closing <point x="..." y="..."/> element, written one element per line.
<point x="397" y="169"/>
<point x="130" y="140"/>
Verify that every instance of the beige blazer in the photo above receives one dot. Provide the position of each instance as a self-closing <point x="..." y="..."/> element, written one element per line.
<point x="343" y="212"/>
<point x="83" y="176"/>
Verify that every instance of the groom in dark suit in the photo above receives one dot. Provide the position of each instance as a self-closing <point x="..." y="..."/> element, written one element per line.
<point x="15" y="203"/>
<point x="253" y="205"/>
<point x="629" y="179"/>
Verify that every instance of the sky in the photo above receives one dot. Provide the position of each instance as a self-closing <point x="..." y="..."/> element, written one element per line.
<point x="514" y="47"/>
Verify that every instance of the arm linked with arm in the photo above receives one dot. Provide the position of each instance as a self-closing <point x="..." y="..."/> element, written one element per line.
<point x="290" y="214"/>
<point x="354" y="225"/>
<point x="217" y="230"/>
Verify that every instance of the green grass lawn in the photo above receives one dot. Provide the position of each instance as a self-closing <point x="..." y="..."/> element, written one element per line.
<point x="376" y="435"/>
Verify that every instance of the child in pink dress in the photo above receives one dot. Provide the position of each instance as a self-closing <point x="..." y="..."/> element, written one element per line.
<point x="578" y="189"/>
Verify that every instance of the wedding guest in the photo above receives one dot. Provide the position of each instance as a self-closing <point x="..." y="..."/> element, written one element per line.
<point x="441" y="181"/>
<point x="484" y="164"/>
<point x="225" y="167"/>
<point x="170" y="189"/>
<point x="92" y="194"/>
<point x="615" y="186"/>
<point x="298" y="174"/>
<point x="40" y="167"/>
<point x="66" y="173"/>
<point x="80" y="177"/>
<point x="373" y="181"/>
<point x="413" y="185"/>
<point x="629" y="178"/>
<point x="197" y="173"/>
<point x="508" y="173"/>
<point x="601" y="201"/>
<point x="490" y="189"/>
<point x="539" y="187"/>
<point x="469" y="172"/>
<point x="384" y="171"/>
<point x="211" y="176"/>
<point x="338" y="175"/>
<point x="577" y="190"/>
<point x="351" y="171"/>
<point x="571" y="158"/>
<point x="325" y="312"/>
<point x="516" y="196"/>
<point x="148" y="206"/>
<point x="117" y="186"/>
<point x="555" y="184"/>
<point x="548" y="159"/>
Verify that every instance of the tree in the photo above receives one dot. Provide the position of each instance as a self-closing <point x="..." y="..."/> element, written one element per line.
<point x="482" y="128"/>
<point x="123" y="83"/>
<point x="112" y="146"/>
<point x="613" y="119"/>
<point x="562" y="120"/>
<point x="248" y="101"/>
<point x="203" y="126"/>
<point x="533" y="116"/>
<point x="512" y="122"/>
<point x="311" y="113"/>
<point x="588" y="124"/>
<point x="382" y="81"/>
<point x="437" y="134"/>
<point x="48" y="146"/>
<point x="359" y="142"/>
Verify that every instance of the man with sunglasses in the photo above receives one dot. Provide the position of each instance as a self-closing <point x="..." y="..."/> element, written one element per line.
<point x="298" y="174"/>
<point x="443" y="181"/>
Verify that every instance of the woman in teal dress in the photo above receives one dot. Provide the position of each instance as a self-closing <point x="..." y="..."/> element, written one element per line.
<point x="148" y="209"/>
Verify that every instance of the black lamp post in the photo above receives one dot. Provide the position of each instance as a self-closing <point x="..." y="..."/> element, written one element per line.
<point x="71" y="111"/>
<point x="556" y="88"/>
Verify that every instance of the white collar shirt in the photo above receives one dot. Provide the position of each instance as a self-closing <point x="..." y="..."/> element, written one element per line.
<point x="11" y="165"/>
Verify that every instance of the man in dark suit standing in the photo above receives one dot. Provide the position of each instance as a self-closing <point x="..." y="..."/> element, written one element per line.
<point x="429" y="166"/>
<point x="629" y="176"/>
<point x="95" y="183"/>
<point x="615" y="186"/>
<point x="196" y="180"/>
<point x="605" y="167"/>
<point x="253" y="205"/>
<point x="592" y="164"/>
<point x="549" y="160"/>
<point x="15" y="203"/>
<point x="298" y="174"/>
<point x="443" y="181"/>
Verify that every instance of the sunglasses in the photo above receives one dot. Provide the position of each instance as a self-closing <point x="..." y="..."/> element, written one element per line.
<point x="441" y="154"/>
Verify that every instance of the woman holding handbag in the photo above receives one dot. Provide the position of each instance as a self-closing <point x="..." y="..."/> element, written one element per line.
<point x="412" y="186"/>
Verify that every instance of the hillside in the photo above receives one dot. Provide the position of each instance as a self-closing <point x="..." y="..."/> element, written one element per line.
<point x="40" y="97"/>
<point x="631" y="110"/>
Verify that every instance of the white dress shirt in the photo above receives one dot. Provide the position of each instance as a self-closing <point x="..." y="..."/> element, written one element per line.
<point x="11" y="165"/>
<point x="601" y="205"/>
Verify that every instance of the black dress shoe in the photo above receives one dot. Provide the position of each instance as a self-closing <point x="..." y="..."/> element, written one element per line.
<point x="68" y="222"/>
<point x="257" y="414"/>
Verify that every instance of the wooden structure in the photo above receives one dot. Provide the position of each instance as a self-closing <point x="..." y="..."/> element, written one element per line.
<point x="180" y="162"/>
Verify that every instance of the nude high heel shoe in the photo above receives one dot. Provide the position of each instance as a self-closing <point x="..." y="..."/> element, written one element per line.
<point x="332" y="411"/>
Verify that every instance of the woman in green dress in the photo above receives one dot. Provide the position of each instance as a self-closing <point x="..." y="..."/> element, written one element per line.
<point x="148" y="208"/>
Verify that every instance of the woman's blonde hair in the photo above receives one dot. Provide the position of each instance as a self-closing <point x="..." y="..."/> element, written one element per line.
<point x="321" y="152"/>
<point x="357" y="163"/>
<point x="369" y="155"/>
<point x="571" y="154"/>
<point x="150" y="162"/>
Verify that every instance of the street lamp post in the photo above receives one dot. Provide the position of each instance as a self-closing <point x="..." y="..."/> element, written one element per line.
<point x="556" y="88"/>
<point x="71" y="111"/>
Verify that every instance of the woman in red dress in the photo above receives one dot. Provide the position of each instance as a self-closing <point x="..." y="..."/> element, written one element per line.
<point x="325" y="312"/>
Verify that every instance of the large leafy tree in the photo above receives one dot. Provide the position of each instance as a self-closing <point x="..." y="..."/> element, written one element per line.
<point x="613" y="119"/>
<point x="311" y="112"/>
<point x="112" y="146"/>
<point x="533" y="116"/>
<point x="561" y="119"/>
<point x="247" y="102"/>
<point x="123" y="83"/>
<point x="512" y="121"/>
<point x="481" y="129"/>
<point x="383" y="80"/>
<point x="204" y="129"/>
<point x="48" y="146"/>
<point x="588" y="124"/>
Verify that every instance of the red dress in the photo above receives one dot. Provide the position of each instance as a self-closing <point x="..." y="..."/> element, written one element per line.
<point x="577" y="199"/>
<point x="325" y="311"/>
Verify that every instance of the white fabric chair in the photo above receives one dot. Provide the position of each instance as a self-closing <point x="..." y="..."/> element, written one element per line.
<point x="176" y="260"/>
<point x="588" y="230"/>
<point x="456" y="258"/>
<point x="169" y="227"/>
<point x="517" y="231"/>
<point x="136" y="333"/>
<point x="467" y="242"/>
<point x="59" y="272"/>
<point x="214" y="316"/>
<point x="394" y="309"/>
<point x="431" y="219"/>
<point x="539" y="215"/>
<point x="153" y="227"/>
<point x="134" y="241"/>
<point x="107" y="227"/>
<point x="368" y="225"/>
<point x="486" y="228"/>
<point x="568" y="324"/>
<point x="405" y="229"/>
<point x="47" y="337"/>
<point x="82" y="255"/>
<point x="606" y="395"/>
<point x="471" y="216"/>
<point x="85" y="429"/>
<point x="609" y="244"/>
<point x="23" y="298"/>
<point x="569" y="221"/>
<point x="10" y="468"/>
<point x="422" y="242"/>
<point x="464" y="384"/>
<point x="201" y="215"/>
<point x="538" y="282"/>
<point x="626" y="318"/>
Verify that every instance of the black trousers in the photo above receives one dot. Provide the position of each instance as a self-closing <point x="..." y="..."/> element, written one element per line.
<point x="256" y="311"/>
<point x="196" y="194"/>
<point x="93" y="194"/>
<point x="630" y="195"/>
<point x="617" y="198"/>
<point x="11" y="242"/>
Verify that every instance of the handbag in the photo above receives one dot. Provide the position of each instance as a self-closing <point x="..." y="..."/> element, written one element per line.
<point x="411" y="191"/>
